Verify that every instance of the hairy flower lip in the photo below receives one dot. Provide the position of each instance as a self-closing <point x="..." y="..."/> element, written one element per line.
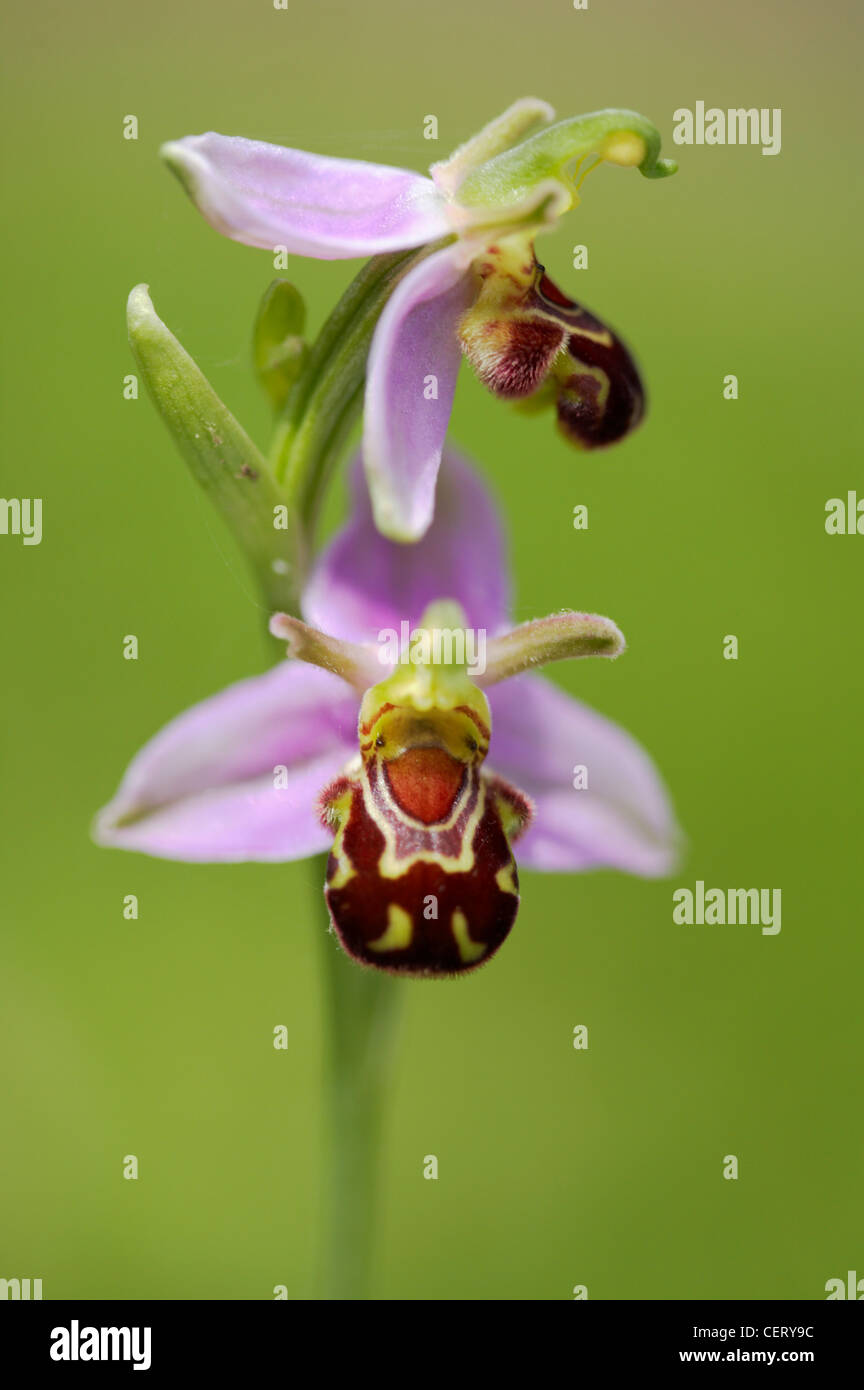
<point x="511" y="357"/>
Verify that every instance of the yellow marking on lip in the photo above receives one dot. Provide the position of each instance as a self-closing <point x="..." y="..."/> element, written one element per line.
<point x="398" y="932"/>
<point x="340" y="810"/>
<point x="504" y="879"/>
<point x="389" y="866"/>
<point x="468" y="950"/>
<point x="604" y="338"/>
<point x="584" y="369"/>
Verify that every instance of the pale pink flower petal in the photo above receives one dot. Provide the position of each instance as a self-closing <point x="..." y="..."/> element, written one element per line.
<point x="622" y="820"/>
<point x="363" y="583"/>
<point x="206" y="788"/>
<point x="312" y="205"/>
<point x="410" y="381"/>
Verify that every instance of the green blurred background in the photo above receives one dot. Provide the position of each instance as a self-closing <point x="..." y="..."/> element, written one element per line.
<point x="154" y="1037"/>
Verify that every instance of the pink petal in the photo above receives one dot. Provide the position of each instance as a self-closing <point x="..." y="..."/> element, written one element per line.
<point x="268" y="196"/>
<point x="415" y="351"/>
<point x="363" y="583"/>
<point x="204" y="787"/>
<point x="622" y="820"/>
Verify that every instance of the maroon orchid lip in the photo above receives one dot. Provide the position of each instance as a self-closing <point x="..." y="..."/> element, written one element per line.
<point x="415" y="892"/>
<point x="425" y="782"/>
<point x="536" y="336"/>
<point x="600" y="397"/>
<point x="433" y="919"/>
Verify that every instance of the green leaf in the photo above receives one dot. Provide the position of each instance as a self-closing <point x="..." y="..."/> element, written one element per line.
<point x="277" y="342"/>
<point x="220" y="456"/>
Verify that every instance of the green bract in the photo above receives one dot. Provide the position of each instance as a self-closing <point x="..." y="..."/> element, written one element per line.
<point x="220" y="455"/>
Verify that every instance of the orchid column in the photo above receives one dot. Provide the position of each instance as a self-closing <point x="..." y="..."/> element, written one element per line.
<point x="385" y="761"/>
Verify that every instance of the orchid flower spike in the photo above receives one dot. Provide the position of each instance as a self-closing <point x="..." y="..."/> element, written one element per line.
<point x="409" y="735"/>
<point x="476" y="290"/>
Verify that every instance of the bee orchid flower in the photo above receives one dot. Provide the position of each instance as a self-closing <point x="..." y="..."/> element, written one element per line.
<point x="475" y="288"/>
<point x="409" y="737"/>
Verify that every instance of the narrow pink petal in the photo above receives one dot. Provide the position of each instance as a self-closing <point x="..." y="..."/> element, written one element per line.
<point x="410" y="381"/>
<point x="363" y="583"/>
<point x="268" y="196"/>
<point x="622" y="820"/>
<point x="204" y="787"/>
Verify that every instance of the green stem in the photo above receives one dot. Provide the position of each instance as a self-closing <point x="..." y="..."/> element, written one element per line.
<point x="362" y="1007"/>
<point x="327" y="396"/>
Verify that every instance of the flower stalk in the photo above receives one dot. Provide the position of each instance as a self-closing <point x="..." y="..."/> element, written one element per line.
<point x="327" y="395"/>
<point x="362" y="1014"/>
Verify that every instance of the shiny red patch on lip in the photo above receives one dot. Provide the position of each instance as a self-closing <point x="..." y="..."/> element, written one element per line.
<point x="425" y="782"/>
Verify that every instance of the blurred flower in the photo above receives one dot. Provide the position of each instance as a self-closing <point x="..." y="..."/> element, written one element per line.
<point x="479" y="290"/>
<point x="421" y="877"/>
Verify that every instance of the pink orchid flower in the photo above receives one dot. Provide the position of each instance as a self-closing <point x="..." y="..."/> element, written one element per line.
<point x="421" y="879"/>
<point x="479" y="290"/>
